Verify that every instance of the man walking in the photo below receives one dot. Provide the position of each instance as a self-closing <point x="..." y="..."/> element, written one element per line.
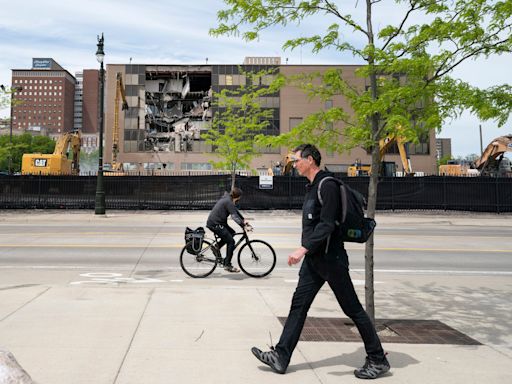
<point x="325" y="260"/>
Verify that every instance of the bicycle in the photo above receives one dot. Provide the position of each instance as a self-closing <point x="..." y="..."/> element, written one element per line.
<point x="256" y="258"/>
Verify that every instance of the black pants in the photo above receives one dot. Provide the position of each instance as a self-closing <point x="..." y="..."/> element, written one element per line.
<point x="312" y="277"/>
<point x="225" y="232"/>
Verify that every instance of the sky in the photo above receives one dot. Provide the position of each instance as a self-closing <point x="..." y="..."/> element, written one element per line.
<point x="176" y="32"/>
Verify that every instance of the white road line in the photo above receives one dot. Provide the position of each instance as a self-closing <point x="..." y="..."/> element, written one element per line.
<point x="439" y="272"/>
<point x="275" y="246"/>
<point x="277" y="269"/>
<point x="354" y="281"/>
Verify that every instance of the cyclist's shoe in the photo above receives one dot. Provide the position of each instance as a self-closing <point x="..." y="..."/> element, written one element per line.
<point x="372" y="369"/>
<point x="271" y="358"/>
<point x="230" y="268"/>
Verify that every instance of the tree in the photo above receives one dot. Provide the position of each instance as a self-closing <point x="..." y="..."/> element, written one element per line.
<point x="4" y="97"/>
<point x="443" y="160"/>
<point x="408" y="66"/>
<point x="7" y="148"/>
<point x="239" y="118"/>
<point x="21" y="144"/>
<point x="8" y="96"/>
<point x="89" y="162"/>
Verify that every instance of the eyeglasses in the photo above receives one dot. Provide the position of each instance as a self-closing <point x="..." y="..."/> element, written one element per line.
<point x="294" y="160"/>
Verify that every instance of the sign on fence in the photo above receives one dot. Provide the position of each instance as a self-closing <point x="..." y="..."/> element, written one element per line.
<point x="266" y="182"/>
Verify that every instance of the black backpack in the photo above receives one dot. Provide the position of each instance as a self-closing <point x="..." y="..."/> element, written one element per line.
<point x="194" y="240"/>
<point x="355" y="227"/>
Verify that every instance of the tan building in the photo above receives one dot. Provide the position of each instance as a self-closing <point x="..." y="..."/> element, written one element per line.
<point x="170" y="106"/>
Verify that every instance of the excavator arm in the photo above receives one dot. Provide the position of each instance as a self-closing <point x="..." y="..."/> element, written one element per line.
<point x="497" y="147"/>
<point x="120" y="95"/>
<point x="384" y="145"/>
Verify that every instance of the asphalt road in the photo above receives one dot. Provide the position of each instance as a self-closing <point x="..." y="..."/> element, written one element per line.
<point x="415" y="246"/>
<point x="453" y="267"/>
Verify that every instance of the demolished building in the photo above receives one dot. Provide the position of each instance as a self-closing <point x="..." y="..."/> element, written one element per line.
<point x="177" y="107"/>
<point x="170" y="107"/>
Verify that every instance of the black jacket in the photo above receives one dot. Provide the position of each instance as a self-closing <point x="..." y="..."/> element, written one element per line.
<point x="320" y="235"/>
<point x="220" y="212"/>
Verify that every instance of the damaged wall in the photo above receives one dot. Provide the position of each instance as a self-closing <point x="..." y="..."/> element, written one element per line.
<point x="177" y="106"/>
<point x="169" y="107"/>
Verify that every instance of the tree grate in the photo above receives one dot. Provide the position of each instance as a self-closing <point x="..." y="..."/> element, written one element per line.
<point x="389" y="330"/>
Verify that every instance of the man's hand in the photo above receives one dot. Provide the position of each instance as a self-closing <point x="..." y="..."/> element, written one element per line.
<point x="247" y="226"/>
<point x="296" y="256"/>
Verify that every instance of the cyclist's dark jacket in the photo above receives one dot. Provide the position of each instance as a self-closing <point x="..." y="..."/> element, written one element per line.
<point x="220" y="212"/>
<point x="320" y="235"/>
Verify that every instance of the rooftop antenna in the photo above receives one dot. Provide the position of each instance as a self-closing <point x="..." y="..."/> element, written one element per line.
<point x="286" y="61"/>
<point x="206" y="60"/>
<point x="130" y="60"/>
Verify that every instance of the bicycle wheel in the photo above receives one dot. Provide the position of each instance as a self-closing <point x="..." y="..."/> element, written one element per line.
<point x="200" y="265"/>
<point x="257" y="258"/>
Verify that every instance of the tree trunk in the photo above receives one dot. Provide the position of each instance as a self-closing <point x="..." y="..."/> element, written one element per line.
<point x="233" y="176"/>
<point x="369" y="246"/>
<point x="374" y="178"/>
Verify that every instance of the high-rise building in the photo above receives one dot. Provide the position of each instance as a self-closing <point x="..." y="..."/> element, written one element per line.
<point x="79" y="89"/>
<point x="46" y="93"/>
<point x="90" y="101"/>
<point x="443" y="148"/>
<point x="87" y="108"/>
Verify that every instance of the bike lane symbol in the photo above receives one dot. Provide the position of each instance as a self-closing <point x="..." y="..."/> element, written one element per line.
<point x="113" y="278"/>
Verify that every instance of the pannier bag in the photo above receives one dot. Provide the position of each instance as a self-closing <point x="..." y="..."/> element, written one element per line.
<point x="194" y="240"/>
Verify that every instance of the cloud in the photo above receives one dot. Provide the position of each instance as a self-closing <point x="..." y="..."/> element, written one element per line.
<point x="163" y="31"/>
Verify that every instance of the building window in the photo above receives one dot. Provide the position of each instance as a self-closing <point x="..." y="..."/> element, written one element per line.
<point x="294" y="121"/>
<point x="267" y="79"/>
<point x="196" y="166"/>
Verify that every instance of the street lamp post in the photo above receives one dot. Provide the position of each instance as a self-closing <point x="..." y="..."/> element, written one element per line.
<point x="99" y="206"/>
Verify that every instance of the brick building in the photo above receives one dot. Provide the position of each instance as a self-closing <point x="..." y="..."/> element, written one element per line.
<point x="46" y="93"/>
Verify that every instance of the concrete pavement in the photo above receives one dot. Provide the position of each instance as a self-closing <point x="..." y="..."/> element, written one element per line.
<point x="163" y="327"/>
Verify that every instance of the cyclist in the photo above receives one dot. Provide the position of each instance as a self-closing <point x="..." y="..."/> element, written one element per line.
<point x="218" y="223"/>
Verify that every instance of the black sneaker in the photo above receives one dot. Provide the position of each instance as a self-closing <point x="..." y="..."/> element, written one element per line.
<point x="271" y="358"/>
<point x="372" y="369"/>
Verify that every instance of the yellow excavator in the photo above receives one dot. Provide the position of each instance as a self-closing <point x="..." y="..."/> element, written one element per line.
<point x="288" y="164"/>
<point x="489" y="162"/>
<point x="64" y="160"/>
<point x="387" y="168"/>
<point x="120" y="95"/>
<point x="486" y="165"/>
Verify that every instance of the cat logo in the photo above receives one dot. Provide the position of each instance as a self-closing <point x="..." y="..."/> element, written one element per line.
<point x="40" y="162"/>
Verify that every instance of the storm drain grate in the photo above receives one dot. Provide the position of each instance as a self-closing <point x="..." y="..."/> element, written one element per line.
<point x="390" y="331"/>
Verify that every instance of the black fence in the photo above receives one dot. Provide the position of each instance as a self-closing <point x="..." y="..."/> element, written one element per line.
<point x="201" y="192"/>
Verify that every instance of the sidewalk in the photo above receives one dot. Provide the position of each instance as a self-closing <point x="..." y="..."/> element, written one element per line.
<point x="182" y="330"/>
<point x="64" y="335"/>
